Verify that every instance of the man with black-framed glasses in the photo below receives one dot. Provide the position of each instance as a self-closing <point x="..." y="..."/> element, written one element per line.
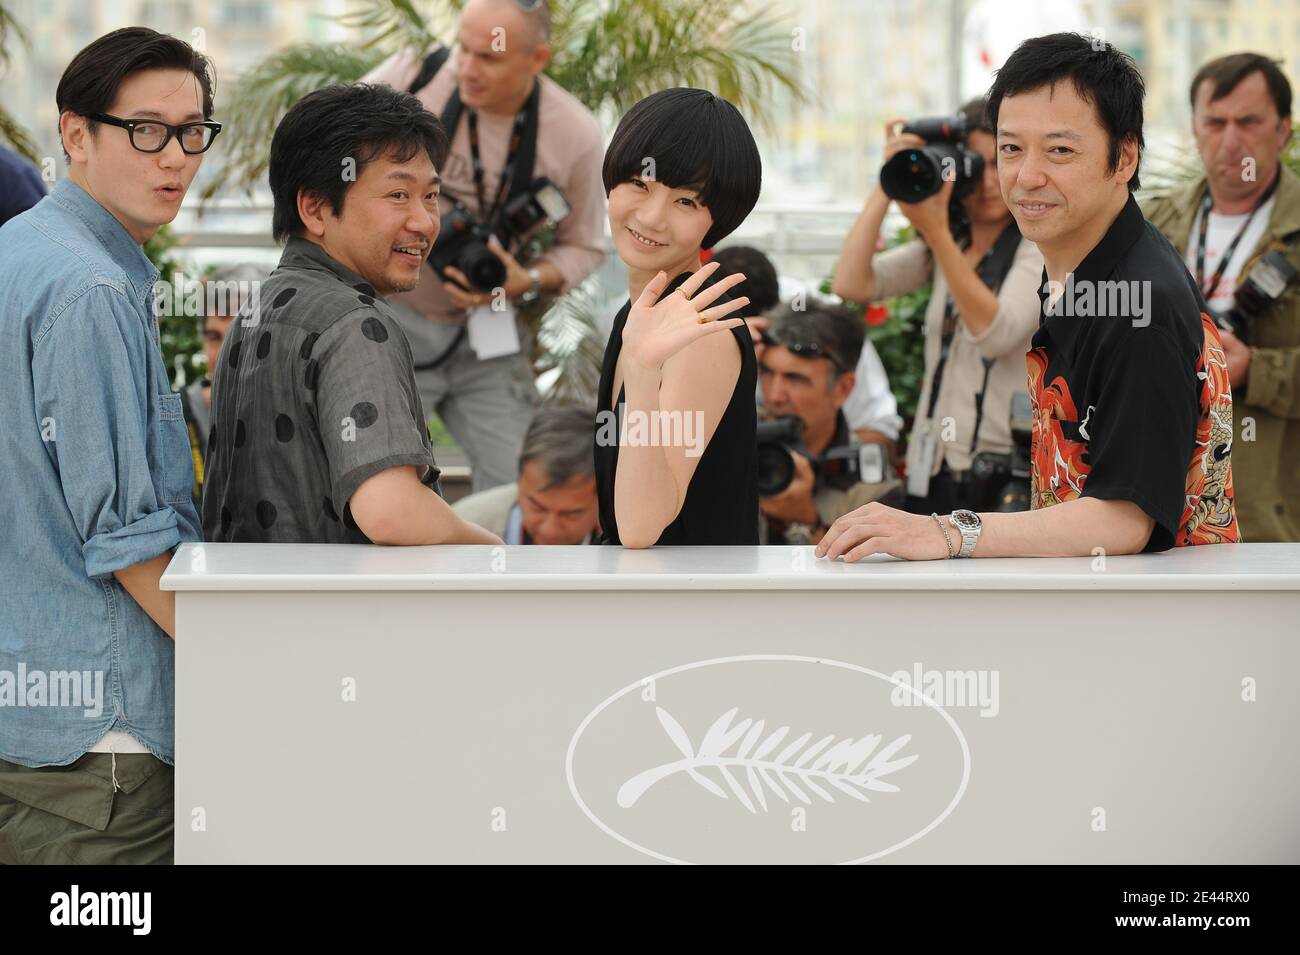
<point x="96" y="466"/>
<point x="152" y="136"/>
<point x="806" y="373"/>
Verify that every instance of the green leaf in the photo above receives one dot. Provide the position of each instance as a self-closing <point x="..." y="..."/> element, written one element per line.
<point x="265" y="93"/>
<point x="18" y="137"/>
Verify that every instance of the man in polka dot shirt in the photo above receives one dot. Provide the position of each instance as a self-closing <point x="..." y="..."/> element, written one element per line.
<point x="318" y="433"/>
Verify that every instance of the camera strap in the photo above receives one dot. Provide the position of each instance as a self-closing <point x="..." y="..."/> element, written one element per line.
<point x="995" y="266"/>
<point x="517" y="173"/>
<point x="1206" y="204"/>
<point x="429" y="69"/>
<point x="520" y="158"/>
<point x="992" y="270"/>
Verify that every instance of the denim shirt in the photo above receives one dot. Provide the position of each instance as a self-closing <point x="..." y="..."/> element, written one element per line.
<point x="97" y="476"/>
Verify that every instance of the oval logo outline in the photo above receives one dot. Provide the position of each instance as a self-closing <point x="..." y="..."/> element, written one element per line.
<point x="761" y="657"/>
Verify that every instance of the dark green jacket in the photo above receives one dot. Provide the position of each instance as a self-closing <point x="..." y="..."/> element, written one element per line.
<point x="1266" y="444"/>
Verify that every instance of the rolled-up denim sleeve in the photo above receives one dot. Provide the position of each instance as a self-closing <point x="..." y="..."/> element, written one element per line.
<point x="92" y="391"/>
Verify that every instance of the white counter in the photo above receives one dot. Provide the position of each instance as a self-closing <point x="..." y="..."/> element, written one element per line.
<point x="282" y="567"/>
<point x="553" y="704"/>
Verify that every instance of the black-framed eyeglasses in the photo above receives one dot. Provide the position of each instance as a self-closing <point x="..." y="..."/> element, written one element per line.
<point x="804" y="349"/>
<point x="152" y="136"/>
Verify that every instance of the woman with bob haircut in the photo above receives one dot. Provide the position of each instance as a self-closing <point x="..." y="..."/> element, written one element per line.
<point x="675" y="442"/>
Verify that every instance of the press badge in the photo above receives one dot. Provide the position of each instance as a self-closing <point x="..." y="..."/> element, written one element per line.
<point x="492" y="332"/>
<point x="920" y="464"/>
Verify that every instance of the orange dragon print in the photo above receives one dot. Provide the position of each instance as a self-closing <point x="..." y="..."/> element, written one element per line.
<point x="1209" y="512"/>
<point x="1058" y="465"/>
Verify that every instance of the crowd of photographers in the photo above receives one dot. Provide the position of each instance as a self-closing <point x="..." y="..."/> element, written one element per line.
<point x="428" y="214"/>
<point x="830" y="437"/>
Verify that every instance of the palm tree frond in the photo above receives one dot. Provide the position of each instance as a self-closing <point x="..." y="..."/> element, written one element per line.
<point x="18" y="137"/>
<point x="571" y="347"/>
<point x="10" y="27"/>
<point x="265" y="93"/>
<point x="395" y="24"/>
<point x="619" y="54"/>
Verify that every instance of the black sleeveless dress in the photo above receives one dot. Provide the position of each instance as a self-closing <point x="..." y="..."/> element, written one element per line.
<point x="721" y="504"/>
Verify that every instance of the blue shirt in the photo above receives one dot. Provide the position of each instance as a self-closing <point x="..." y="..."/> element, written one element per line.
<point x="96" y="470"/>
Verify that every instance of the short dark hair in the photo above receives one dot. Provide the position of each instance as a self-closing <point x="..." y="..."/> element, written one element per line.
<point x="1227" y="71"/>
<point x="697" y="140"/>
<point x="761" y="285"/>
<point x="92" y="79"/>
<point x="975" y="113"/>
<point x="837" y="329"/>
<point x="559" y="440"/>
<point x="1104" y="76"/>
<point x="358" y="121"/>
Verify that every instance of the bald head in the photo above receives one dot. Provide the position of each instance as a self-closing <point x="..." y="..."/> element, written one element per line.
<point x="500" y="52"/>
<point x="530" y="20"/>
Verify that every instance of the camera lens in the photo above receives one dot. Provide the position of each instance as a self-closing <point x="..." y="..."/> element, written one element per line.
<point x="483" y="269"/>
<point x="916" y="174"/>
<point x="912" y="175"/>
<point x="775" y="468"/>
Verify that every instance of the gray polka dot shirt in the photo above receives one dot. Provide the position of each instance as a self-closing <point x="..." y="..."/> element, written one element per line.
<point x="314" y="393"/>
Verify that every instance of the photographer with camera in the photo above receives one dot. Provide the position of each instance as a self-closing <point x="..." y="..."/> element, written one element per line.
<point x="524" y="153"/>
<point x="1131" y="406"/>
<point x="811" y="467"/>
<point x="1238" y="227"/>
<point x="982" y="313"/>
<point x="871" y="408"/>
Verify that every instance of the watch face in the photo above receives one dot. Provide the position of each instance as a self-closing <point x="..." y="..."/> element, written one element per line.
<point x="967" y="520"/>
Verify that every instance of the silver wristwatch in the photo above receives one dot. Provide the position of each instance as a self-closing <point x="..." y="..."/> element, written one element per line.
<point x="535" y="290"/>
<point x="969" y="526"/>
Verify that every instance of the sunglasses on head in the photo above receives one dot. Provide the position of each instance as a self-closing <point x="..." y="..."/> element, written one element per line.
<point x="804" y="349"/>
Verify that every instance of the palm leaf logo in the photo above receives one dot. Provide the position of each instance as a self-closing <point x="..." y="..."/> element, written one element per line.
<point x="847" y="765"/>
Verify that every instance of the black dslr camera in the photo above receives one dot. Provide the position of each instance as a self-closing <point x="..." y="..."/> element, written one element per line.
<point x="1000" y="482"/>
<point x="462" y="239"/>
<point x="1263" y="285"/>
<point x="839" y="468"/>
<point x="916" y="174"/>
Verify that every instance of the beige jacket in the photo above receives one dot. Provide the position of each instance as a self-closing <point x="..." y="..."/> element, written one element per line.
<point x="909" y="267"/>
<point x="1266" y="445"/>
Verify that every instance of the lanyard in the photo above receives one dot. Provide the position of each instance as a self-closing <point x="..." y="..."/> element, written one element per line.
<point x="948" y="330"/>
<point x="508" y="171"/>
<point x="1206" y="203"/>
<point x="992" y="268"/>
<point x="945" y="345"/>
